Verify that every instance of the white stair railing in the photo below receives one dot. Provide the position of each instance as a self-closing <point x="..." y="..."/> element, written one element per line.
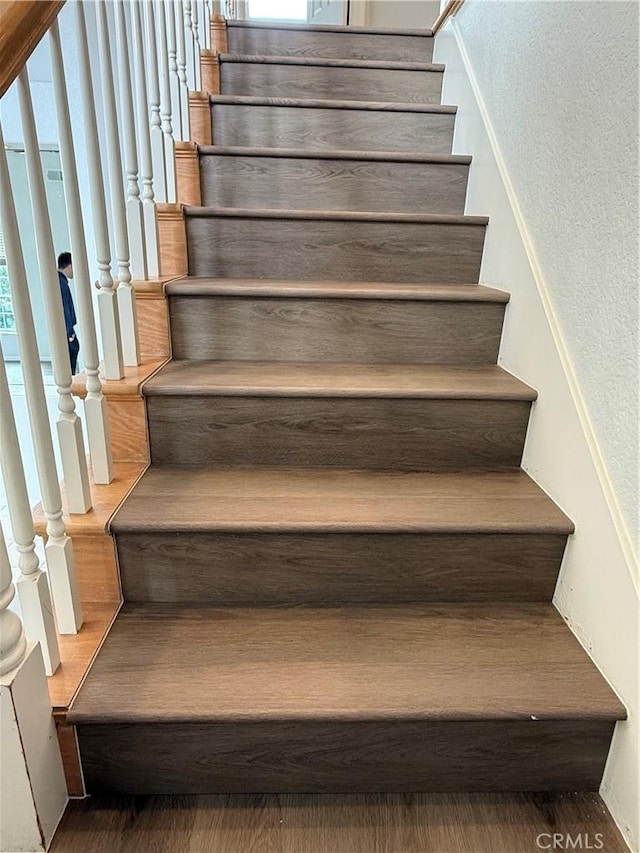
<point x="59" y="548"/>
<point x="146" y="162"/>
<point x="74" y="460"/>
<point x="135" y="217"/>
<point x="126" y="293"/>
<point x="158" y="158"/>
<point x="166" y="105"/>
<point x="95" y="404"/>
<point x="107" y="298"/>
<point x="182" y="68"/>
<point x="174" y="77"/>
<point x="192" y="71"/>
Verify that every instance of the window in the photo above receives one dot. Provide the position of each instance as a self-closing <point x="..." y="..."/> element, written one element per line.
<point x="7" y="319"/>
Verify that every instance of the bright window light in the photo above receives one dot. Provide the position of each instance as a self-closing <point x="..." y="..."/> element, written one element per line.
<point x="278" y="10"/>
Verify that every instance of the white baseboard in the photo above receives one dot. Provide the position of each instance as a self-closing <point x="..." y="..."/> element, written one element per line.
<point x="598" y="586"/>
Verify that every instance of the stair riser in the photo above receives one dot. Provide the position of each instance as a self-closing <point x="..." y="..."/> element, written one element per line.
<point x="331" y="82"/>
<point x="330" y="129"/>
<point x="312" y="184"/>
<point x="272" y="42"/>
<point x="400" y="434"/>
<point x="328" y="569"/>
<point x="288" y="757"/>
<point x="350" y="250"/>
<point x="344" y="330"/>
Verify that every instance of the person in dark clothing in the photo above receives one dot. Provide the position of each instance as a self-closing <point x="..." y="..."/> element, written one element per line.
<point x="65" y="272"/>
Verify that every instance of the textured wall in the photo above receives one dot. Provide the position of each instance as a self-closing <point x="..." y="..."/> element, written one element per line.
<point x="560" y="83"/>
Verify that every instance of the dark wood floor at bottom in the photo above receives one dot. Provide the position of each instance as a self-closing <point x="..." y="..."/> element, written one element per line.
<point x="359" y="823"/>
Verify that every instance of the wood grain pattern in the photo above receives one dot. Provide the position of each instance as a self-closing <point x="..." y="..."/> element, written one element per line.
<point x="188" y="173"/>
<point x="172" y="239"/>
<point x="249" y="569"/>
<point x="96" y="567"/>
<point x="312" y="379"/>
<point x="283" y="40"/>
<point x="127" y="388"/>
<point x="245" y="180"/>
<point x="266" y="247"/>
<point x="258" y="122"/>
<point x="128" y="423"/>
<point x="210" y="70"/>
<point x="218" y="29"/>
<point x="104" y="499"/>
<point x="365" y="823"/>
<point x="153" y="327"/>
<point x="22" y="24"/>
<point x="333" y="79"/>
<point x="550" y="755"/>
<point x="200" y="118"/>
<point x="77" y="651"/>
<point x="337" y="432"/>
<point x="430" y="663"/>
<point x="317" y="500"/>
<point x="70" y="759"/>
<point x="315" y="329"/>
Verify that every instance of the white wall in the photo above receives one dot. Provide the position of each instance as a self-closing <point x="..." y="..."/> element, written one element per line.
<point x="547" y="96"/>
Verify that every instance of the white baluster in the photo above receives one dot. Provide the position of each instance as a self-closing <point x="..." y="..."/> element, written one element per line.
<point x="135" y="218"/>
<point x="174" y="79"/>
<point x="146" y="166"/>
<point x="107" y="297"/>
<point x="157" y="137"/>
<point x="182" y="70"/>
<point x="95" y="404"/>
<point x="59" y="548"/>
<point x="195" y="24"/>
<point x="206" y="24"/>
<point x="33" y="589"/>
<point x="165" y="107"/>
<point x="74" y="460"/>
<point x="126" y="293"/>
<point x="13" y="643"/>
<point x="192" y="75"/>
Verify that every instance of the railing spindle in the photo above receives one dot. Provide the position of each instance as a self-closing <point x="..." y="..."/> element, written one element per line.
<point x="174" y="79"/>
<point x="196" y="43"/>
<point x="192" y="73"/>
<point x="160" y="184"/>
<point x="165" y="107"/>
<point x="13" y="643"/>
<point x="178" y="9"/>
<point x="74" y="460"/>
<point x="135" y="218"/>
<point x="59" y="548"/>
<point x="126" y="293"/>
<point x="107" y="298"/>
<point x="146" y="164"/>
<point x="95" y="404"/>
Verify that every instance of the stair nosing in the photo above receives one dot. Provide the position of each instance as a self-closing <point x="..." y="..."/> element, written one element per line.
<point x="334" y="154"/>
<point x="328" y="104"/>
<point x="329" y="28"/>
<point x="258" y="288"/>
<point x="158" y="385"/>
<point x="205" y="212"/>
<point x="327" y="62"/>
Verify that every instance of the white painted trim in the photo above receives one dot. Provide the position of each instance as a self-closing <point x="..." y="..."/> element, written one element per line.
<point x="626" y="541"/>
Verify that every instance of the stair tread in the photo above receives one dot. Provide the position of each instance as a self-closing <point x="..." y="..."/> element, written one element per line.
<point x="313" y="379"/>
<point x="164" y="664"/>
<point x="201" y="286"/>
<point x="335" y="215"/>
<point x="330" y="28"/>
<point x="322" y="500"/>
<point x="386" y="64"/>
<point x="329" y="104"/>
<point x="334" y="154"/>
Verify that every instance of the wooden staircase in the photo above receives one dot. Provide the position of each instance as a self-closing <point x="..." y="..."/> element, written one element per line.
<point x="336" y="576"/>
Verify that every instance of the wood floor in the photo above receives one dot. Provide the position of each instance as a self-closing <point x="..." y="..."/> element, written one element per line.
<point x="367" y="823"/>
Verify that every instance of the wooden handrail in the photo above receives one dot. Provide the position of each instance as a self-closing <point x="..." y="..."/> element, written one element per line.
<point x="448" y="12"/>
<point x="22" y="24"/>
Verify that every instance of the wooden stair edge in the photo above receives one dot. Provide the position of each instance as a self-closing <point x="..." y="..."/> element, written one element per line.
<point x="331" y="380"/>
<point x="329" y="104"/>
<point x="335" y="215"/>
<point x="329" y="28"/>
<point x="332" y="669"/>
<point x="127" y="387"/>
<point x="382" y="64"/>
<point x="334" y="154"/>
<point x="200" y="286"/>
